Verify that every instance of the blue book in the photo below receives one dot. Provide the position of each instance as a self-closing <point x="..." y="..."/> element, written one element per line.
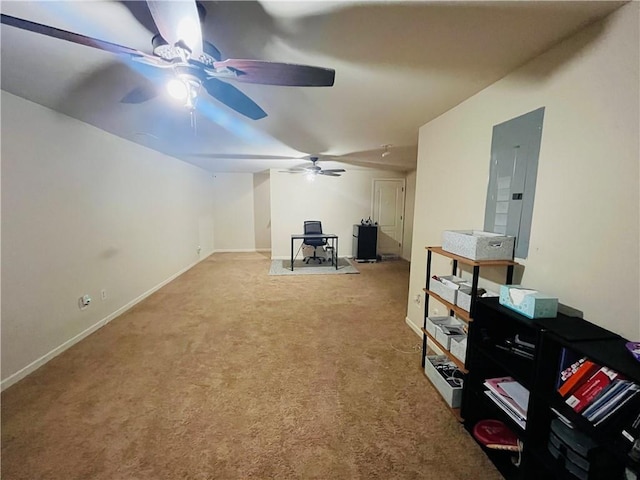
<point x="613" y="399"/>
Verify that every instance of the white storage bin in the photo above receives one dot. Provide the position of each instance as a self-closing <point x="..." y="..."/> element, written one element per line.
<point x="432" y="322"/>
<point x="445" y="291"/>
<point x="463" y="299"/>
<point x="459" y="348"/>
<point x="445" y="332"/>
<point x="452" y="395"/>
<point x="478" y="245"/>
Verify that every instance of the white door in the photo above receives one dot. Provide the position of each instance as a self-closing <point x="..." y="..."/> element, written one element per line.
<point x="388" y="211"/>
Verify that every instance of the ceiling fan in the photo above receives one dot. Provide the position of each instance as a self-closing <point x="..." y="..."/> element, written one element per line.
<point x="314" y="169"/>
<point x="192" y="63"/>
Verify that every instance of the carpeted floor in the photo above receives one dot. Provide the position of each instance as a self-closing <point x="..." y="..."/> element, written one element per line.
<point x="283" y="267"/>
<point x="229" y="373"/>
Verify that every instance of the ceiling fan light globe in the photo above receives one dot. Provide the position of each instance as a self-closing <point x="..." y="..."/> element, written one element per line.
<point x="178" y="89"/>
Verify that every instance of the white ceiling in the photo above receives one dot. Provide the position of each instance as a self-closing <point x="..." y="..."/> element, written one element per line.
<point x="398" y="65"/>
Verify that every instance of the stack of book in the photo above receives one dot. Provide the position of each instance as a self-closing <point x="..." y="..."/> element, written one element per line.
<point x="510" y="396"/>
<point x="592" y="390"/>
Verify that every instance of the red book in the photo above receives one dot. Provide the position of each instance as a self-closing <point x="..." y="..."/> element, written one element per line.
<point x="496" y="435"/>
<point x="584" y="372"/>
<point x="589" y="390"/>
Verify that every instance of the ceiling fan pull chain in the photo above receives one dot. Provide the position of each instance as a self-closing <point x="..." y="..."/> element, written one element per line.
<point x="194" y="125"/>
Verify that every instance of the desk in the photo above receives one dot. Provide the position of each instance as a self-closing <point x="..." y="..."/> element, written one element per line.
<point x="325" y="236"/>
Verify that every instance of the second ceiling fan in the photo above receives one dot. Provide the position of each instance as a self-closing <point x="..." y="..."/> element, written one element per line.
<point x="314" y="169"/>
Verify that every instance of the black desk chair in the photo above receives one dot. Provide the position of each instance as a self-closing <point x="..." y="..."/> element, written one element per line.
<point x="314" y="226"/>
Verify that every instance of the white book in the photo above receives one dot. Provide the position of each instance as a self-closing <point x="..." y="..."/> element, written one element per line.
<point x="495" y="386"/>
<point x="513" y="414"/>
<point x="518" y="393"/>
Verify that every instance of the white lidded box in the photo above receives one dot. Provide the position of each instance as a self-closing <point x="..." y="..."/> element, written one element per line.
<point x="446" y="287"/>
<point x="445" y="331"/>
<point x="459" y="348"/>
<point x="478" y="245"/>
<point x="451" y="394"/>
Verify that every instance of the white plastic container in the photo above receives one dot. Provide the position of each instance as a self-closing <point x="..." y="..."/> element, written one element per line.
<point x="459" y="348"/>
<point x="444" y="335"/>
<point x="452" y="395"/>
<point x="443" y="290"/>
<point x="433" y="322"/>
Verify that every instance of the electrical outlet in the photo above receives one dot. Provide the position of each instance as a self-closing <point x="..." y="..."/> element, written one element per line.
<point x="84" y="302"/>
<point x="198" y="250"/>
<point x="436" y="312"/>
<point x="103" y="294"/>
<point x="418" y="299"/>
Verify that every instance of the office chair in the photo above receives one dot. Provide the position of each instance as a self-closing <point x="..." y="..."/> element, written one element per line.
<point x="314" y="226"/>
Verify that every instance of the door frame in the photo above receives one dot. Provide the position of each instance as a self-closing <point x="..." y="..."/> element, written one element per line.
<point x="404" y="198"/>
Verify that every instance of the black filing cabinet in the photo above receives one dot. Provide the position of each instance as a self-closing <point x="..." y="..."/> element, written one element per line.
<point x="365" y="242"/>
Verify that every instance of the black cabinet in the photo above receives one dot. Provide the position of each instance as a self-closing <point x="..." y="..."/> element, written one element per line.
<point x="365" y="242"/>
<point x="492" y="353"/>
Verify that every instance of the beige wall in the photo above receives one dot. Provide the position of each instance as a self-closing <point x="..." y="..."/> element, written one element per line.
<point x="82" y="211"/>
<point x="339" y="202"/>
<point x="409" y="206"/>
<point x="585" y="234"/>
<point x="234" y="212"/>
<point x="262" y="210"/>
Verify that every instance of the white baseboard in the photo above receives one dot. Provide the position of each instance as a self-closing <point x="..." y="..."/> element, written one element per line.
<point x="239" y="250"/>
<point x="288" y="258"/>
<point x="413" y="327"/>
<point x="33" y="366"/>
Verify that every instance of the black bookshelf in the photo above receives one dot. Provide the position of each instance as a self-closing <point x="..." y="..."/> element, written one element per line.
<point x="493" y="327"/>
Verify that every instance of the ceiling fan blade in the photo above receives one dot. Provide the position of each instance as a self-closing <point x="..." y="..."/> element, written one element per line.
<point x="334" y="170"/>
<point x="328" y="173"/>
<point x="275" y="73"/>
<point x="211" y="50"/>
<point x="178" y="21"/>
<point x="72" y="37"/>
<point x="140" y="94"/>
<point x="233" y="98"/>
<point x="242" y="156"/>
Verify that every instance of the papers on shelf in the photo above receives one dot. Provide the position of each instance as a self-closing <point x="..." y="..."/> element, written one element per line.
<point x="520" y="421"/>
<point x="510" y="396"/>
<point x="518" y="393"/>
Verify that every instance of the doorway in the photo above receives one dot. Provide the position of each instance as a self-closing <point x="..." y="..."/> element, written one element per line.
<point x="388" y="212"/>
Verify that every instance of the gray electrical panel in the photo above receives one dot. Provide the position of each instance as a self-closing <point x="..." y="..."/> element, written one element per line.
<point x="515" y="147"/>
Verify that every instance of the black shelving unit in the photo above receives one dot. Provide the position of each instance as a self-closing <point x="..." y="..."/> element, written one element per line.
<point x="462" y="314"/>
<point x="492" y="324"/>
